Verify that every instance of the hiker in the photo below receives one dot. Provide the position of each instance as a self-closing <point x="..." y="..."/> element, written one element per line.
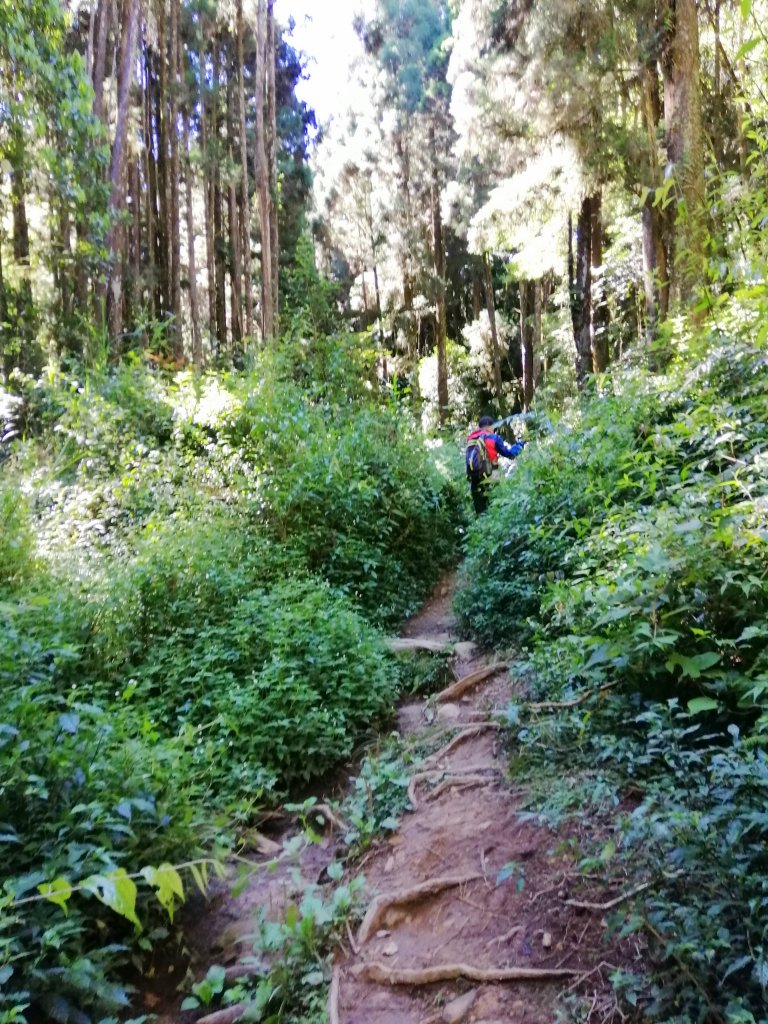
<point x="483" y="450"/>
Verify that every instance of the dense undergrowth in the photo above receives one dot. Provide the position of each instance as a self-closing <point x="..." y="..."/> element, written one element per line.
<point x="194" y="579"/>
<point x="627" y="557"/>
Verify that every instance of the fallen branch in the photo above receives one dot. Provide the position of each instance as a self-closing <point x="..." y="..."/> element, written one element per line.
<point x="460" y="687"/>
<point x="383" y="975"/>
<point x="467" y="733"/>
<point x="505" y="937"/>
<point x="238" y="971"/>
<point x="600" y="907"/>
<point x="381" y="904"/>
<point x="229" y="1015"/>
<point x="333" y="997"/>
<point x="555" y="705"/>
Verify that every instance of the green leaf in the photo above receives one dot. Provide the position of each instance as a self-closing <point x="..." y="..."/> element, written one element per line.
<point x="116" y="891"/>
<point x="746" y="8"/>
<point x="168" y="885"/>
<point x="747" y="47"/>
<point x="698" y="704"/>
<point x="58" y="891"/>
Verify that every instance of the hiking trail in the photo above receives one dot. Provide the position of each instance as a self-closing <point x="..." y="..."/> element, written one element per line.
<point x="472" y="913"/>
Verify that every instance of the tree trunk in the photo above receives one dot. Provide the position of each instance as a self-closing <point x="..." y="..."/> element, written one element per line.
<point x="117" y="172"/>
<point x="245" y="203"/>
<point x="235" y="234"/>
<point x="208" y="208"/>
<point x="580" y="281"/>
<point x="599" y="324"/>
<point x="194" y="313"/>
<point x="490" y="305"/>
<point x="526" y="293"/>
<point x="219" y="241"/>
<point x="176" y="332"/>
<point x="271" y="147"/>
<point x="262" y="175"/>
<point x="439" y="268"/>
<point x="684" y="139"/>
<point x="17" y="159"/>
<point x="103" y="15"/>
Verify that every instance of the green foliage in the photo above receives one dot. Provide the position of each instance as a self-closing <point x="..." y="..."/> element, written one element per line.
<point x="190" y="591"/>
<point x="628" y="553"/>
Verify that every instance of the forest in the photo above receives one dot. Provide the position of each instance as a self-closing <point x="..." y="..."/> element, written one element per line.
<point x="240" y="351"/>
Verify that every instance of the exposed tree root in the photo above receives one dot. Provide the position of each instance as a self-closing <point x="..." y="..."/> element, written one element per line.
<point x="333" y="997"/>
<point x="238" y="971"/>
<point x="229" y="1015"/>
<point x="458" y="782"/>
<point x="467" y="733"/>
<point x="381" y="904"/>
<point x="325" y="812"/>
<point x="447" y="780"/>
<point x="555" y="705"/>
<point x="383" y="975"/>
<point x="460" y="687"/>
<point x="599" y="907"/>
<point x="419" y="643"/>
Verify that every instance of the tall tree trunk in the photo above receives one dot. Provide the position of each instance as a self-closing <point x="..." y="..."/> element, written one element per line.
<point x="404" y="187"/>
<point x="439" y="268"/>
<point x="235" y="234"/>
<point x="490" y="306"/>
<point x="194" y="312"/>
<point x="117" y="171"/>
<point x="210" y="261"/>
<point x="245" y="200"/>
<point x="539" y="301"/>
<point x="176" y="332"/>
<point x="599" y="321"/>
<point x="17" y="159"/>
<point x="219" y="241"/>
<point x="271" y="147"/>
<point x="684" y="138"/>
<point x="262" y="175"/>
<point x="526" y="293"/>
<point x="137" y="298"/>
<point x="580" y="281"/>
<point x="103" y="17"/>
<point x="656" y="236"/>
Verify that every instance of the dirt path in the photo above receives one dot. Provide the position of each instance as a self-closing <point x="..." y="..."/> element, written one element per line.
<point x="468" y="915"/>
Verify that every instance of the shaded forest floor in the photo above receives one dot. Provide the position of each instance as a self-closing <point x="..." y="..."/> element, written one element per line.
<point x="471" y="910"/>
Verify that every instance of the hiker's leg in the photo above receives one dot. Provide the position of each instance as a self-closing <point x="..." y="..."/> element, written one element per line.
<point x="479" y="495"/>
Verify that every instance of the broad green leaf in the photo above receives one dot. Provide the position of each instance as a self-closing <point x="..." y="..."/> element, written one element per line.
<point x="58" y="891"/>
<point x="698" y="704"/>
<point x="746" y="8"/>
<point x="117" y="891"/>
<point x="167" y="884"/>
<point x="747" y="47"/>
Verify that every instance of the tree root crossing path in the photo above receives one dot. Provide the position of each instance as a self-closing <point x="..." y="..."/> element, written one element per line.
<point x="470" y="911"/>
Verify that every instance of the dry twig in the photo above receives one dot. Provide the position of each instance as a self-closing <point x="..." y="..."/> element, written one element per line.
<point x="467" y="733"/>
<point x="458" y="782"/>
<point x="555" y="705"/>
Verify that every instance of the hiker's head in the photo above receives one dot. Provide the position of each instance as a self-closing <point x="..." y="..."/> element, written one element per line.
<point x="485" y="421"/>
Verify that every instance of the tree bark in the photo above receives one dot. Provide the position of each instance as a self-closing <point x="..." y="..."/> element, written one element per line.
<point x="194" y="312"/>
<point x="262" y="175"/>
<point x="208" y="206"/>
<point x="117" y="174"/>
<point x="580" y="280"/>
<point x="175" y="328"/>
<point x="245" y="205"/>
<point x="439" y="268"/>
<point x="235" y="234"/>
<point x="684" y="139"/>
<point x="526" y="292"/>
<point x="600" y="318"/>
<point x="219" y="242"/>
<point x="490" y="306"/>
<point x="271" y="136"/>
